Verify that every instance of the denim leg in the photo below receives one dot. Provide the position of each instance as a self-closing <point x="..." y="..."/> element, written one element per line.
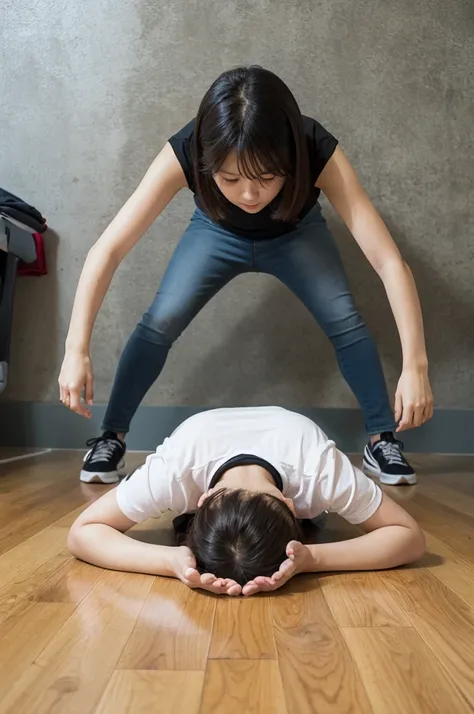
<point x="206" y="259"/>
<point x="308" y="263"/>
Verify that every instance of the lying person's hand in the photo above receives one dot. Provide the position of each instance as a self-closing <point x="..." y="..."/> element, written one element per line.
<point x="298" y="561"/>
<point x="184" y="567"/>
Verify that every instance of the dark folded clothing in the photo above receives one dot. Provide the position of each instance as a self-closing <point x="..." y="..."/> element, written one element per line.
<point x="19" y="210"/>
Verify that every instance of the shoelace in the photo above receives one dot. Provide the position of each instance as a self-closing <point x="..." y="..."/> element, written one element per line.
<point x="391" y="451"/>
<point x="102" y="448"/>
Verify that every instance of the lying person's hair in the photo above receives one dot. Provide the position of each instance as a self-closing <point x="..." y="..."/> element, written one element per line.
<point x="240" y="534"/>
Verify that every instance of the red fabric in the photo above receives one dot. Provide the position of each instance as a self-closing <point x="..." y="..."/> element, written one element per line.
<point x="39" y="266"/>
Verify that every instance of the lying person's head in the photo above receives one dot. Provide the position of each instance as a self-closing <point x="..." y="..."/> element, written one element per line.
<point x="241" y="534"/>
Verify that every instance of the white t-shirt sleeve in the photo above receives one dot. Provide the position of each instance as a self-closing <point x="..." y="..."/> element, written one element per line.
<point x="342" y="488"/>
<point x="146" y="493"/>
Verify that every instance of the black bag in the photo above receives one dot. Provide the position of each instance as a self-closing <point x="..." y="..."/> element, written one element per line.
<point x="13" y="207"/>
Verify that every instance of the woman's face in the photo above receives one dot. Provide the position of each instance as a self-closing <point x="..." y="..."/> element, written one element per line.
<point x="251" y="195"/>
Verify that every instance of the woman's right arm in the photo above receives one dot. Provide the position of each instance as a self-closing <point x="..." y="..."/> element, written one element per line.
<point x="161" y="183"/>
<point x="97" y="536"/>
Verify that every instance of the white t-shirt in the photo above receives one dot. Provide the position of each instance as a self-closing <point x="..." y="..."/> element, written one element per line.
<point x="315" y="474"/>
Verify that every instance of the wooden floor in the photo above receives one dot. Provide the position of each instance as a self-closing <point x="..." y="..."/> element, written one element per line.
<point x="77" y="639"/>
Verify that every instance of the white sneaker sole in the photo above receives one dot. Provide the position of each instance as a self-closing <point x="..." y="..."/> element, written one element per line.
<point x="387" y="479"/>
<point x="102" y="477"/>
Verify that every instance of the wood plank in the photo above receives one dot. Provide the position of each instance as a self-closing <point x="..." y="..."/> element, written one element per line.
<point x="451" y="569"/>
<point x="21" y="479"/>
<point x="67" y="663"/>
<point x="454" y="529"/>
<point x="26" y="566"/>
<point x="21" y="561"/>
<point x="14" y="594"/>
<point x="238" y="686"/>
<point x="70" y="675"/>
<point x="442" y="466"/>
<point x="443" y="620"/>
<point x="451" y="497"/>
<point x="36" y="490"/>
<point x="243" y="629"/>
<point x="173" y="630"/>
<point x="400" y="673"/>
<point x="42" y="508"/>
<point x="36" y="481"/>
<point x="317" y="671"/>
<point x="44" y="553"/>
<point x="361" y="600"/>
<point x="140" y="692"/>
<point x="456" y="476"/>
<point x="24" y="636"/>
<point x="71" y="583"/>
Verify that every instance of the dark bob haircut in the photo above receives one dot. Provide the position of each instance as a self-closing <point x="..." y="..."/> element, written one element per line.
<point x="239" y="534"/>
<point x="251" y="111"/>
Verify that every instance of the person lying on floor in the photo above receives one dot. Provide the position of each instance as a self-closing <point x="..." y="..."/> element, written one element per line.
<point x="249" y="475"/>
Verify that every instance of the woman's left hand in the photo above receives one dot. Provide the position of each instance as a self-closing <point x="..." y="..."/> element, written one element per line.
<point x="299" y="557"/>
<point x="413" y="399"/>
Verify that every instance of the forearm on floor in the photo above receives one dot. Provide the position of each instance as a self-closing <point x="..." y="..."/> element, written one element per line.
<point x="108" y="548"/>
<point x="383" y="548"/>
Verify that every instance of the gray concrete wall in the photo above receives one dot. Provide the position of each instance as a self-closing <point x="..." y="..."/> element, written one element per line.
<point x="89" y="93"/>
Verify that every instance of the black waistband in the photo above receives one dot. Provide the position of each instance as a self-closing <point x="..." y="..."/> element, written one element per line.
<point x="247" y="460"/>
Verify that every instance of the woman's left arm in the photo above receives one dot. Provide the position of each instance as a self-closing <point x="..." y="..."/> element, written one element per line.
<point x="392" y="538"/>
<point x="339" y="182"/>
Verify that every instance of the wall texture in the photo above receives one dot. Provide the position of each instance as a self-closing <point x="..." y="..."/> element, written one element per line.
<point x="91" y="91"/>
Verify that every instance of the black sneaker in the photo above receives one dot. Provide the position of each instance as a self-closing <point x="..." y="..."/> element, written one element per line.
<point x="104" y="459"/>
<point x="385" y="460"/>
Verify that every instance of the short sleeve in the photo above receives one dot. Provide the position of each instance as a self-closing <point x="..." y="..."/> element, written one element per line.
<point x="182" y="145"/>
<point x="343" y="489"/>
<point x="321" y="146"/>
<point x="146" y="492"/>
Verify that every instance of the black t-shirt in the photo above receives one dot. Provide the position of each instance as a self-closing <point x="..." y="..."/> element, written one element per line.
<point x="261" y="225"/>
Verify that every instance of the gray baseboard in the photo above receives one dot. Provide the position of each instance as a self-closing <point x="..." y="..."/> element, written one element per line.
<point x="34" y="424"/>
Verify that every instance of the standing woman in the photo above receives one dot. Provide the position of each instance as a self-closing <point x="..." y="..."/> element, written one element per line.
<point x="256" y="167"/>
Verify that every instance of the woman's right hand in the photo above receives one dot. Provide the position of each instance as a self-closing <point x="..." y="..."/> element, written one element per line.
<point x="300" y="560"/>
<point x="76" y="377"/>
